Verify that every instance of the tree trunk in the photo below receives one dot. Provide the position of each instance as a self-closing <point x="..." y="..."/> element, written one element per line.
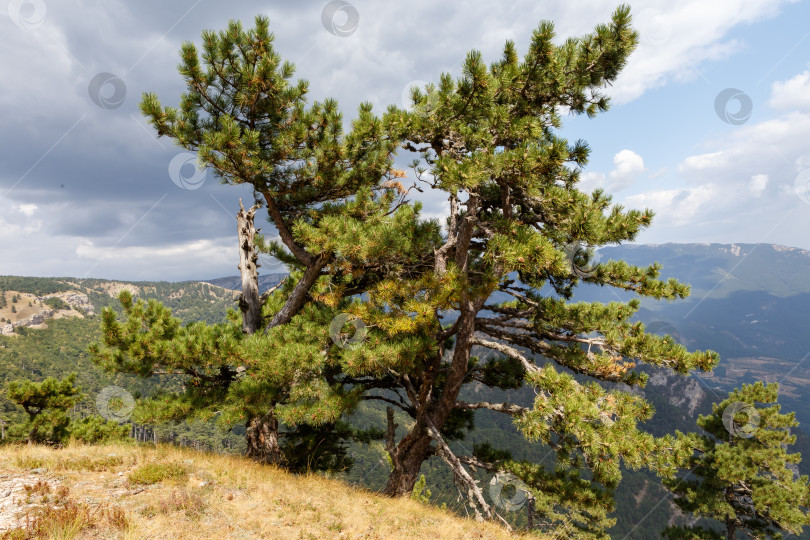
<point x="407" y="459"/>
<point x="262" y="440"/>
<point x="415" y="447"/>
<point x="250" y="302"/>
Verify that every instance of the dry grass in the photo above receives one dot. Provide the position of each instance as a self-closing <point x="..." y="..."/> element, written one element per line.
<point x="198" y="495"/>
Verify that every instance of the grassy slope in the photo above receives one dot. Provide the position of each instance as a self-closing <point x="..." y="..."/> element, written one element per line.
<point x="99" y="492"/>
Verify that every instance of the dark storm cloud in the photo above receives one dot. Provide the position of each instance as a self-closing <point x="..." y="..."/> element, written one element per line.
<point x="85" y="184"/>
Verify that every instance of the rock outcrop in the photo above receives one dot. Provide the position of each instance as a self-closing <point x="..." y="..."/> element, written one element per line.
<point x="680" y="391"/>
<point x="75" y="300"/>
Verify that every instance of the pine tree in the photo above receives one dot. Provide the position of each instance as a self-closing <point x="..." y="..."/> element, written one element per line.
<point x="252" y="126"/>
<point x="741" y="473"/>
<point x="518" y="226"/>
<point x="46" y="403"/>
<point x="424" y="291"/>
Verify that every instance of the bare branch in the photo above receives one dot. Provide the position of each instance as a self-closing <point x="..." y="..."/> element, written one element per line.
<point x="506" y="408"/>
<point x="250" y="302"/>
<point x="273" y="289"/>
<point x="462" y="476"/>
<point x="390" y="436"/>
<point x="298" y="251"/>
<point x="402" y="406"/>
<point x="511" y="352"/>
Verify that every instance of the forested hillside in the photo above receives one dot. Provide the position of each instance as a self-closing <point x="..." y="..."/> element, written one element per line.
<point x="769" y="348"/>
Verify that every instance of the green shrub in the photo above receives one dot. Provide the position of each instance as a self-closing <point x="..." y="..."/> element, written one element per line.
<point x="95" y="430"/>
<point x="152" y="473"/>
<point x="56" y="303"/>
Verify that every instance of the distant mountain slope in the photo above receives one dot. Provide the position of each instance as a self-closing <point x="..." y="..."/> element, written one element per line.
<point x="720" y="269"/>
<point x="749" y="302"/>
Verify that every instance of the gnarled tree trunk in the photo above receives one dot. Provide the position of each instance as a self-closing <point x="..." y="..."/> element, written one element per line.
<point x="262" y="431"/>
<point x="250" y="302"/>
<point x="262" y="440"/>
<point x="407" y="458"/>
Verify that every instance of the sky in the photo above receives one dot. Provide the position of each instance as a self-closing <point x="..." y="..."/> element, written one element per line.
<point x="709" y="124"/>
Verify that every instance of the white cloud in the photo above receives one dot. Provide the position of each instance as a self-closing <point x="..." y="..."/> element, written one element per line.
<point x="758" y="184"/>
<point x="676" y="37"/>
<point x="792" y="94"/>
<point x="26" y="209"/>
<point x="674" y="206"/>
<point x="628" y="166"/>
<point x="106" y="170"/>
<point x="703" y="161"/>
<point x="194" y="250"/>
<point x="772" y="147"/>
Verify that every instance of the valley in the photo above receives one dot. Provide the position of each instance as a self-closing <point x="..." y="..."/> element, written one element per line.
<point x="752" y="308"/>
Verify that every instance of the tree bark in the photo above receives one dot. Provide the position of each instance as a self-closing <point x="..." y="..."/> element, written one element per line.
<point x="731" y="530"/>
<point x="407" y="459"/>
<point x="262" y="440"/>
<point x="250" y="301"/>
<point x="299" y="294"/>
<point x="262" y="431"/>
<point x="415" y="447"/>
